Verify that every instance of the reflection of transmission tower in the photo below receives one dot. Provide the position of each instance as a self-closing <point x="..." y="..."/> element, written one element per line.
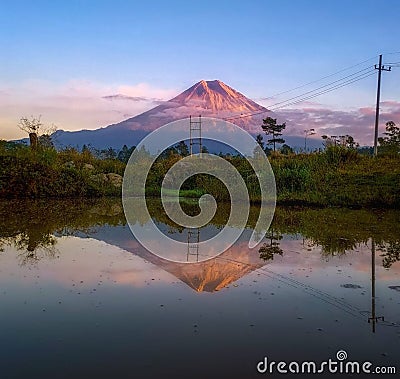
<point x="195" y="127"/>
<point x="374" y="318"/>
<point x="193" y="244"/>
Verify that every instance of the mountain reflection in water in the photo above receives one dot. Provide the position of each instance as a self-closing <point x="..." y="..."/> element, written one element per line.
<point x="34" y="226"/>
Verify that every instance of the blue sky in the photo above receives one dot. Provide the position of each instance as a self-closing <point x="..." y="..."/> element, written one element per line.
<point x="162" y="47"/>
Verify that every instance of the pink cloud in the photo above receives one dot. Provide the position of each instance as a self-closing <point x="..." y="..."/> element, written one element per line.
<point x="358" y="123"/>
<point x="74" y="105"/>
<point x="368" y="111"/>
<point x="390" y="103"/>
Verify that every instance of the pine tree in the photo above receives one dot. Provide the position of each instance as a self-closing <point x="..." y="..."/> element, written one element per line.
<point x="270" y="127"/>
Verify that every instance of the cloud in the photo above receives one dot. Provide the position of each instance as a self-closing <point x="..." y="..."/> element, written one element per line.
<point x="98" y="261"/>
<point x="76" y="104"/>
<point x="124" y="97"/>
<point x="358" y="122"/>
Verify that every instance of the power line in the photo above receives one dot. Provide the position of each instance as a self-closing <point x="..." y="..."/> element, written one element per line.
<point x="245" y="115"/>
<point x="324" y="86"/>
<point x="318" y="80"/>
<point x="366" y="75"/>
<point x="301" y="98"/>
<point x="325" y="91"/>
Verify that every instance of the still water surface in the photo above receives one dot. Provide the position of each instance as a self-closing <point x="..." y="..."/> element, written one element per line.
<point x="80" y="298"/>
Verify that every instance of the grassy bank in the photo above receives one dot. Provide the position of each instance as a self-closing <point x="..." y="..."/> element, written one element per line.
<point x="335" y="177"/>
<point x="338" y="177"/>
<point x="47" y="173"/>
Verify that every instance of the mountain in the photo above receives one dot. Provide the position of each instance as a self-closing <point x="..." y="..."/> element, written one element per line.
<point x="208" y="98"/>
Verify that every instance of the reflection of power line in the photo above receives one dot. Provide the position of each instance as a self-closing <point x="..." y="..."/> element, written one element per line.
<point x="321" y="295"/>
<point x="193" y="240"/>
<point x="317" y="293"/>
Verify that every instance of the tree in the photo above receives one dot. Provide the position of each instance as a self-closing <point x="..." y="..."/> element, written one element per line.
<point x="204" y="150"/>
<point x="182" y="149"/>
<point x="46" y="141"/>
<point x="391" y="253"/>
<point x="391" y="141"/>
<point x="328" y="141"/>
<point x="270" y="127"/>
<point x="366" y="150"/>
<point x="124" y="154"/>
<point x="350" y="142"/>
<point x="392" y="133"/>
<point x="168" y="153"/>
<point x="286" y="149"/>
<point x="259" y="140"/>
<point x="109" y="153"/>
<point x="87" y="152"/>
<point x="346" y="141"/>
<point x="31" y="126"/>
<point x="268" y="250"/>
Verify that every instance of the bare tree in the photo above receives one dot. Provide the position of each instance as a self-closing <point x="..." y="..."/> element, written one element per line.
<point x="33" y="126"/>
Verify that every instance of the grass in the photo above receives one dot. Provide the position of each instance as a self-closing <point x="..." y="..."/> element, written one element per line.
<point x="47" y="173"/>
<point x="335" y="177"/>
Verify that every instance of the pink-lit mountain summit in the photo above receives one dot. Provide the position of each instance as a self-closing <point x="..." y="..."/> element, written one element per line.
<point x="216" y="96"/>
<point x="208" y="98"/>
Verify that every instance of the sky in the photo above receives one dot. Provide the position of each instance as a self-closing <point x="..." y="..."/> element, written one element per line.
<point x="61" y="59"/>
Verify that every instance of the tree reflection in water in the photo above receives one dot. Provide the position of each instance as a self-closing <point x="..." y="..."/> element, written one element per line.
<point x="32" y="226"/>
<point x="269" y="249"/>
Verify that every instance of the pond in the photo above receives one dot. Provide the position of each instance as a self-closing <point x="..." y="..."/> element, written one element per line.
<point x="80" y="297"/>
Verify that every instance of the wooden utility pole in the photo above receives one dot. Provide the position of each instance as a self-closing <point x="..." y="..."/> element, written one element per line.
<point x="380" y="68"/>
